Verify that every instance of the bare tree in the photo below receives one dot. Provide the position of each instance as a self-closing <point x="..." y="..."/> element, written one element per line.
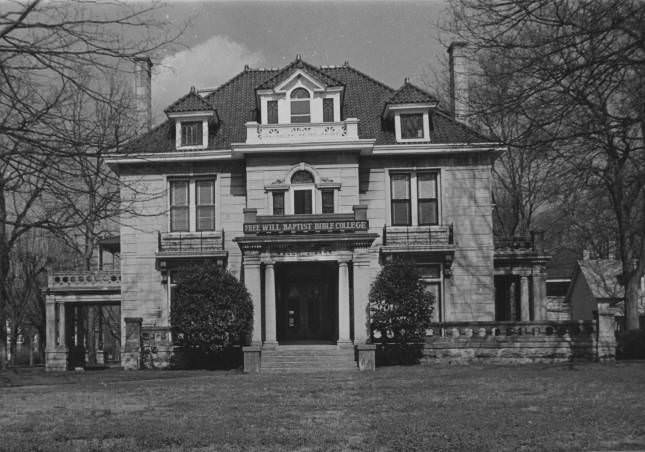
<point x="51" y="53"/>
<point x="577" y="71"/>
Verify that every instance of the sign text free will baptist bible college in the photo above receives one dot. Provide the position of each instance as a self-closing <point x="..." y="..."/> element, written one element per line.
<point x="304" y="226"/>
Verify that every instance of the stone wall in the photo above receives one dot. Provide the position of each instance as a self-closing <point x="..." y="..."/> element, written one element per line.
<point x="519" y="342"/>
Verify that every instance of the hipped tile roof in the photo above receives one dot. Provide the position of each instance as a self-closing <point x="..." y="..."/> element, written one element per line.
<point x="190" y="102"/>
<point x="235" y="103"/>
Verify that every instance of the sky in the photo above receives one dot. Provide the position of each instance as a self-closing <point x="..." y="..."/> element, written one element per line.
<point x="387" y="40"/>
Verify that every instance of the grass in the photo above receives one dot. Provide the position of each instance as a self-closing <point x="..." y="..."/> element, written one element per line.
<point x="567" y="407"/>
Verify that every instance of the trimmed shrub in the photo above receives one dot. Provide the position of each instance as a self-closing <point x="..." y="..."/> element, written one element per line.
<point x="631" y="345"/>
<point x="400" y="313"/>
<point x="211" y="317"/>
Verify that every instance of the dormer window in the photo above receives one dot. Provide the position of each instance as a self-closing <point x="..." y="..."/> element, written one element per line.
<point x="192" y="133"/>
<point x="412" y="126"/>
<point x="300" y="106"/>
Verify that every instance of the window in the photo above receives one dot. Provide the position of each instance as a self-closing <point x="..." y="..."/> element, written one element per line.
<point x="278" y="203"/>
<point x="557" y="288"/>
<point x="412" y="126"/>
<point x="401" y="212"/>
<point x="328" y="110"/>
<point x="302" y="192"/>
<point x="327" y="201"/>
<point x="430" y="275"/>
<point x="205" y="193"/>
<point x="300" y="107"/>
<point x="414" y="198"/>
<point x="179" y="206"/>
<point x="427" y="198"/>
<point x="191" y="133"/>
<point x="192" y="205"/>
<point x="272" y="112"/>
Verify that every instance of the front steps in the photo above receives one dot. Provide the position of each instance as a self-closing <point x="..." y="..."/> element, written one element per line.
<point x="307" y="358"/>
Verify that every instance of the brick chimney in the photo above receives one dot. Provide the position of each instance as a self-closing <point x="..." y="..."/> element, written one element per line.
<point x="459" y="80"/>
<point x="143" y="93"/>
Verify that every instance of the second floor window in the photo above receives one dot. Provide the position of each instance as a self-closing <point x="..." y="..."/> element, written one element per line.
<point x="179" y="210"/>
<point x="327" y="201"/>
<point x="401" y="200"/>
<point x="278" y="203"/>
<point x="191" y="133"/>
<point x="192" y="205"/>
<point x="414" y="198"/>
<point x="300" y="106"/>
<point x="205" y="205"/>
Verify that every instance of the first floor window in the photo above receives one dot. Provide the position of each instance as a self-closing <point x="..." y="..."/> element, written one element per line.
<point x="205" y="210"/>
<point x="327" y="201"/>
<point x="278" y="203"/>
<point x="179" y="210"/>
<point x="401" y="212"/>
<point x="191" y="133"/>
<point x="430" y="274"/>
<point x="412" y="126"/>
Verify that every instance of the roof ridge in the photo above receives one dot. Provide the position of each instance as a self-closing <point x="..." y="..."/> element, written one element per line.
<point x="233" y="79"/>
<point x="363" y="74"/>
<point x="295" y="63"/>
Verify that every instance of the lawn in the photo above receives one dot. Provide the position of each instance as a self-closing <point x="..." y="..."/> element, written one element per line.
<point x="566" y="407"/>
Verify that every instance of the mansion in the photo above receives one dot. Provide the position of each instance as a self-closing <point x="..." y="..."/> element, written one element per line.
<point x="302" y="181"/>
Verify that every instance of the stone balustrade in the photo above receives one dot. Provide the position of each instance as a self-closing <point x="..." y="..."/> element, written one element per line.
<point x="296" y="133"/>
<point x="520" y="342"/>
<point x="83" y="280"/>
<point x="483" y="330"/>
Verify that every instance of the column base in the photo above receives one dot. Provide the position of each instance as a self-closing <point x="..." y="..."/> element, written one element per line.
<point x="270" y="345"/>
<point x="345" y="343"/>
<point x="56" y="360"/>
<point x="252" y="359"/>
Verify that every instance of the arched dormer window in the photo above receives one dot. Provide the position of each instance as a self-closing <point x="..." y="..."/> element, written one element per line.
<point x="300" y="106"/>
<point x="302" y="183"/>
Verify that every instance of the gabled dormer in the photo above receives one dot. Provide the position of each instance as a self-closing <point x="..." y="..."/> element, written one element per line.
<point x="193" y="117"/>
<point x="300" y="93"/>
<point x="410" y="108"/>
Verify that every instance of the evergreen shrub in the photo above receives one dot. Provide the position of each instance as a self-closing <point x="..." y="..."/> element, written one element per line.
<point x="400" y="313"/>
<point x="211" y="317"/>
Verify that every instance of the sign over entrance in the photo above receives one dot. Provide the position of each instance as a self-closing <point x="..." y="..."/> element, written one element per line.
<point x="305" y="226"/>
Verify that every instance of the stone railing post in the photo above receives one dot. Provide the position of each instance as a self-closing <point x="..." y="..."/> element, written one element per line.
<point x="606" y="334"/>
<point x="366" y="356"/>
<point x="131" y="356"/>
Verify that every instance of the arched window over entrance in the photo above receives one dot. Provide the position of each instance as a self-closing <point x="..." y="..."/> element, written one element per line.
<point x="300" y="106"/>
<point x="303" y="192"/>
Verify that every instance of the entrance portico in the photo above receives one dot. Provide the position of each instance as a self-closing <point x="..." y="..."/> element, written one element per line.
<point x="301" y="284"/>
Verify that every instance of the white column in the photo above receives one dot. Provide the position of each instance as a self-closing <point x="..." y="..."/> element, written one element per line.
<point x="269" y="308"/>
<point x="362" y="279"/>
<point x="539" y="297"/>
<point x="50" y="315"/>
<point x="254" y="286"/>
<point x="61" y="325"/>
<point x="343" y="303"/>
<point x="524" y="299"/>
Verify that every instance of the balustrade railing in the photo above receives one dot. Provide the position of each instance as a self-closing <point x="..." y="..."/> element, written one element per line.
<point x="483" y="330"/>
<point x="190" y="242"/>
<point x="84" y="279"/>
<point x="292" y="133"/>
<point x="418" y="236"/>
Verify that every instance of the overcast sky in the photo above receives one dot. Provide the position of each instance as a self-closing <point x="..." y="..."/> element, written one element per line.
<point x="387" y="40"/>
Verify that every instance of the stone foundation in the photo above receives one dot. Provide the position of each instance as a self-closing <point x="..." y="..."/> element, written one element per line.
<point x="157" y="347"/>
<point x="56" y="359"/>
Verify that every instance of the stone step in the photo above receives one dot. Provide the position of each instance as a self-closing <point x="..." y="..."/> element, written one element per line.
<point x="307" y="358"/>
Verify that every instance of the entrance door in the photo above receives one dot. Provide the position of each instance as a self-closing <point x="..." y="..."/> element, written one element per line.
<point x="307" y="306"/>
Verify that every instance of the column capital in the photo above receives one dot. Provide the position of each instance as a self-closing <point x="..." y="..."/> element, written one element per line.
<point x="251" y="260"/>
